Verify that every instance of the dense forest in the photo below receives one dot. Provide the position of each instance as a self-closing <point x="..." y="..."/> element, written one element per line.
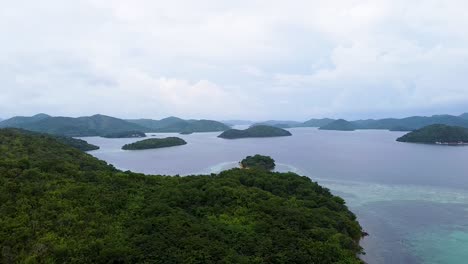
<point x="61" y="205"/>
<point x="153" y="143"/>
<point x="258" y="162"/>
<point x="255" y="131"/>
<point x="440" y="134"/>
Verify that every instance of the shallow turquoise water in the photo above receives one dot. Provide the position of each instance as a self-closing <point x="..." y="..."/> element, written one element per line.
<point x="412" y="199"/>
<point x="441" y="245"/>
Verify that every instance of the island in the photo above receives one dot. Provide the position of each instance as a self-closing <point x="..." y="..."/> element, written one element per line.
<point x="126" y="134"/>
<point x="437" y="134"/>
<point x="154" y="143"/>
<point x="61" y="205"/>
<point x="255" y="132"/>
<point x="340" y="124"/>
<point x="258" y="162"/>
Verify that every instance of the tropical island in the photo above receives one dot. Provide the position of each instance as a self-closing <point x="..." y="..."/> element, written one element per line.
<point x="255" y="132"/>
<point x="59" y="205"/>
<point x="153" y="143"/>
<point x="178" y="125"/>
<point x="437" y="134"/>
<point x="126" y="134"/>
<point x="258" y="162"/>
<point x="340" y="124"/>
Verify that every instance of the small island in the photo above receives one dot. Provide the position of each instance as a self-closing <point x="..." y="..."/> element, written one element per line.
<point x="154" y="143"/>
<point x="255" y="132"/>
<point x="126" y="134"/>
<point x="437" y="134"/>
<point x="258" y="162"/>
<point x="340" y="125"/>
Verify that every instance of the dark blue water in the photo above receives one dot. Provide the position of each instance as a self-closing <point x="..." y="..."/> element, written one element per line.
<point x="412" y="199"/>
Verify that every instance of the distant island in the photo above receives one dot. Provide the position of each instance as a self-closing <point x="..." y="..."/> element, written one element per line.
<point x="153" y="143"/>
<point x="126" y="134"/>
<point x="258" y="162"/>
<point x="101" y="125"/>
<point x="340" y="124"/>
<point x="178" y="125"/>
<point x="86" y="126"/>
<point x="437" y="134"/>
<point x="255" y="132"/>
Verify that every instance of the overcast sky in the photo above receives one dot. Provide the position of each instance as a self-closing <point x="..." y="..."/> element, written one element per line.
<point x="234" y="59"/>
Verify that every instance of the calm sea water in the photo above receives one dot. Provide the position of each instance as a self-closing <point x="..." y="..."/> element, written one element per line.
<point x="412" y="199"/>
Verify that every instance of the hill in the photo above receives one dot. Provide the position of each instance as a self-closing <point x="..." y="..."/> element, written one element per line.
<point x="317" y="122"/>
<point x="126" y="134"/>
<point x="154" y="125"/>
<point x="437" y="134"/>
<point x="464" y="116"/>
<point x="279" y="123"/>
<point x="96" y="125"/>
<point x="255" y="131"/>
<point x="19" y="121"/>
<point x="153" y="143"/>
<point x="178" y="125"/>
<point x="60" y="205"/>
<point x="69" y="141"/>
<point x="412" y="123"/>
<point x="339" y="124"/>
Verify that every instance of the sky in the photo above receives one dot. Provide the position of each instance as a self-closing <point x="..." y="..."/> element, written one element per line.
<point x="251" y="59"/>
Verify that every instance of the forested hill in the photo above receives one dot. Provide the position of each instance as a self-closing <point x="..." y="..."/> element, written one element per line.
<point x="437" y="134"/>
<point x="178" y="125"/>
<point x="96" y="125"/>
<point x="61" y="205"/>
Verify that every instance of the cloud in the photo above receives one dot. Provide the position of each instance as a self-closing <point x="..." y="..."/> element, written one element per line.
<point x="244" y="59"/>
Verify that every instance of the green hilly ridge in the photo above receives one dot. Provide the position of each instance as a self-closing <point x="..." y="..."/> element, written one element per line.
<point x="339" y="124"/>
<point x="440" y="134"/>
<point x="255" y="131"/>
<point x="60" y="205"/>
<point x="96" y="125"/>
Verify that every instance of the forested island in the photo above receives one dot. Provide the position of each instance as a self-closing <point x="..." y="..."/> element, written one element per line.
<point x="61" y="205"/>
<point x="126" y="134"/>
<point x="340" y="124"/>
<point x="437" y="134"/>
<point x="179" y="125"/>
<point x="255" y="131"/>
<point x="153" y="143"/>
<point x="258" y="162"/>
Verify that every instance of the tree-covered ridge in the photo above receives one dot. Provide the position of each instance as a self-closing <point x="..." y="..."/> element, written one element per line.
<point x="258" y="162"/>
<point x="437" y="134"/>
<point x="255" y="131"/>
<point x="60" y="205"/>
<point x="339" y="124"/>
<point x="72" y="142"/>
<point x="126" y="134"/>
<point x="178" y="125"/>
<point x="96" y="125"/>
<point x="153" y="143"/>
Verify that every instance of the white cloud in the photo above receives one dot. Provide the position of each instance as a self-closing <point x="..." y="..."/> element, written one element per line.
<point x="244" y="59"/>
